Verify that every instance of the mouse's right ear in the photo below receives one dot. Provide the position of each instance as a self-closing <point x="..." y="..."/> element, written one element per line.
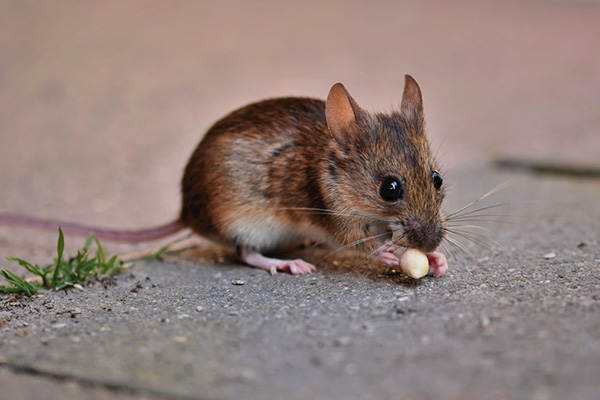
<point x="412" y="100"/>
<point x="342" y="111"/>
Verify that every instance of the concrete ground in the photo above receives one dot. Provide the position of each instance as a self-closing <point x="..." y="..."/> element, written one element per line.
<point x="102" y="103"/>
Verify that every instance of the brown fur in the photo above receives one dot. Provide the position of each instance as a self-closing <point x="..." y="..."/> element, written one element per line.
<point x="268" y="162"/>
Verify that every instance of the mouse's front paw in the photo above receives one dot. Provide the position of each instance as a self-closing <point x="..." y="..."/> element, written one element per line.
<point x="437" y="264"/>
<point x="386" y="254"/>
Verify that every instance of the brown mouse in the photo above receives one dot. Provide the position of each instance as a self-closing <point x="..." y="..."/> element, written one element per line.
<point x="271" y="175"/>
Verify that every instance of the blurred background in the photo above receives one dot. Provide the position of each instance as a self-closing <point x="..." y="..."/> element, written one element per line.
<point x="102" y="103"/>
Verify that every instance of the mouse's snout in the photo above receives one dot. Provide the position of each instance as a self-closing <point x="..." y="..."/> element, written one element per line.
<point x="416" y="233"/>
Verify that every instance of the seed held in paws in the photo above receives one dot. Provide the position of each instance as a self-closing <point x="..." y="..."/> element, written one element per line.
<point x="414" y="263"/>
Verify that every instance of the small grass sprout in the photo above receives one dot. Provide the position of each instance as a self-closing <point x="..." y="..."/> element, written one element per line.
<point x="64" y="272"/>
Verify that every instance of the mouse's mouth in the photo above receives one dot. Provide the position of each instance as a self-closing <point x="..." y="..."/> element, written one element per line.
<point x="412" y="233"/>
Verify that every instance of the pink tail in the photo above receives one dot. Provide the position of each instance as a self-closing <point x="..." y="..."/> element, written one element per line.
<point x="141" y="235"/>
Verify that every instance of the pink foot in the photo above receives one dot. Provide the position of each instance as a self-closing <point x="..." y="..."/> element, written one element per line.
<point x="437" y="264"/>
<point x="255" y="259"/>
<point x="386" y="254"/>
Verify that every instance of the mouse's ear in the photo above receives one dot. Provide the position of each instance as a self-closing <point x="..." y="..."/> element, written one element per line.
<point x="342" y="112"/>
<point x="412" y="102"/>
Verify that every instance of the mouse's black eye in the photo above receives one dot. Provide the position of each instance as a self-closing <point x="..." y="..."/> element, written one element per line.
<point x="437" y="179"/>
<point x="391" y="189"/>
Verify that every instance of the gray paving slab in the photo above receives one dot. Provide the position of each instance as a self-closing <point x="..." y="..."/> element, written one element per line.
<point x="514" y="323"/>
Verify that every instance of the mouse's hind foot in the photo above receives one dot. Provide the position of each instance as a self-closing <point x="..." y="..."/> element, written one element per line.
<point x="255" y="259"/>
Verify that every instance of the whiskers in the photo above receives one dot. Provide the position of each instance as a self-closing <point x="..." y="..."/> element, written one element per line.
<point x="464" y="230"/>
<point x="357" y="243"/>
<point x="462" y="225"/>
<point x="324" y="211"/>
<point x="352" y="218"/>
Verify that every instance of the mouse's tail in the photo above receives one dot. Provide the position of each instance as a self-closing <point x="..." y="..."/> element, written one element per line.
<point x="116" y="235"/>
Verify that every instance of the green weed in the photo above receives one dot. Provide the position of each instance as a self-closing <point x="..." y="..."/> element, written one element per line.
<point x="64" y="272"/>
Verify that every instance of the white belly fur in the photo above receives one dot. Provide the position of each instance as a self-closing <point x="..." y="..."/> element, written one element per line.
<point x="270" y="234"/>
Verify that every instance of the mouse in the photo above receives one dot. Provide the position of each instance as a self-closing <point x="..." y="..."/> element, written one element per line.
<point x="278" y="173"/>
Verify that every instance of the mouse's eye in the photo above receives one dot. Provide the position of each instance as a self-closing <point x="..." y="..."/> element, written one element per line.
<point x="391" y="189"/>
<point x="437" y="179"/>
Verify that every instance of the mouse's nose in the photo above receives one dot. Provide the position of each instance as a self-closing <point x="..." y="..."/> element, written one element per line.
<point x="420" y="235"/>
<point x="415" y="224"/>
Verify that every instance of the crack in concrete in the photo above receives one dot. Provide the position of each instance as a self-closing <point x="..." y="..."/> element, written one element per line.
<point x="93" y="383"/>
